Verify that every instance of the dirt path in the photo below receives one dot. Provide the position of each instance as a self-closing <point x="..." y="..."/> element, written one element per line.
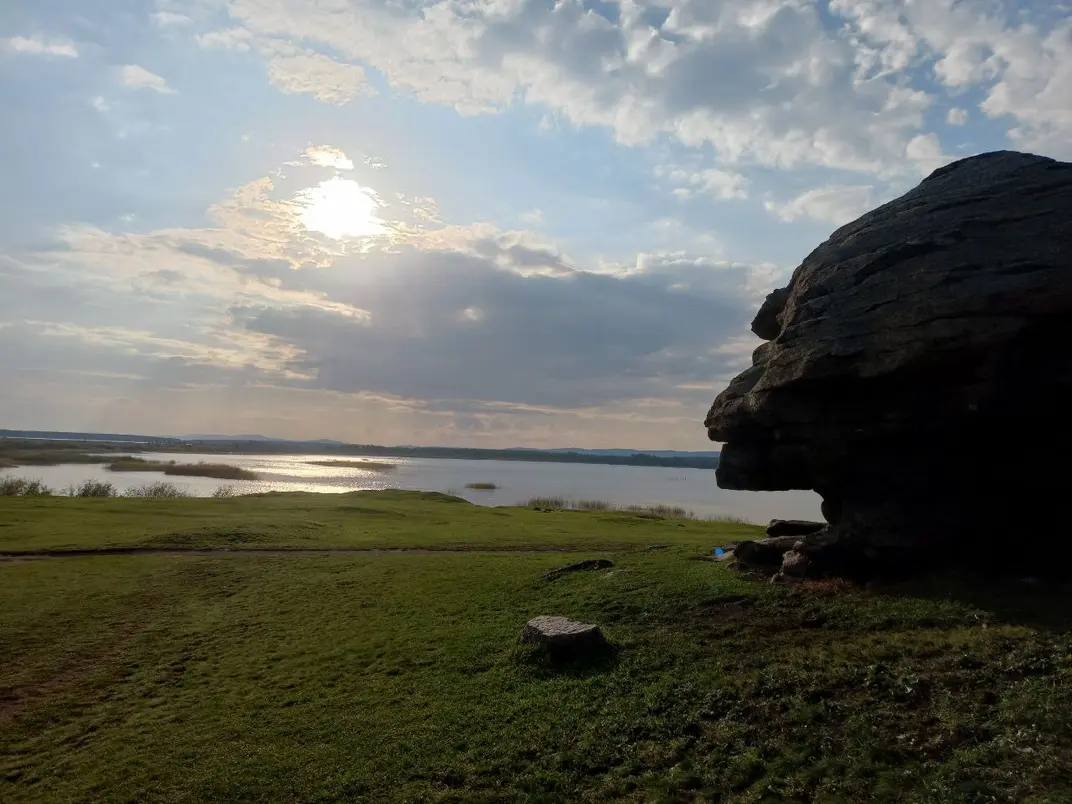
<point x="38" y="555"/>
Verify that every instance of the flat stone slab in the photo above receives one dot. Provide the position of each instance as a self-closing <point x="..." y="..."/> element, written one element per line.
<point x="588" y="564"/>
<point x="559" y="633"/>
<point x="793" y="527"/>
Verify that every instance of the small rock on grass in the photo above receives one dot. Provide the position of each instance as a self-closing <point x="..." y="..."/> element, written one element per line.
<point x="795" y="563"/>
<point x="562" y="634"/>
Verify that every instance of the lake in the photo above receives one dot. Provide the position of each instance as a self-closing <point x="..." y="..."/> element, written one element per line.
<point x="518" y="481"/>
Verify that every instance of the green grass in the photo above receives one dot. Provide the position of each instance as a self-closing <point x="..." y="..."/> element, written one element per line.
<point x="372" y="466"/>
<point x="659" y="511"/>
<point x="368" y="519"/>
<point x="221" y="471"/>
<point x="395" y="677"/>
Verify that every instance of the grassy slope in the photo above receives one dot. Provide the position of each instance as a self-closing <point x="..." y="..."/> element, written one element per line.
<point x="360" y="519"/>
<point x="394" y="677"/>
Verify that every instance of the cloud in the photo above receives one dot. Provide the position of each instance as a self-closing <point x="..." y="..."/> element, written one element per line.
<point x="1019" y="58"/>
<point x="295" y="70"/>
<point x="226" y="349"/>
<point x="326" y="156"/>
<point x="957" y="117"/>
<point x="137" y="77"/>
<point x="777" y="83"/>
<point x="237" y="39"/>
<point x="39" y="46"/>
<point x="834" y="204"/>
<point x="322" y="77"/>
<point x="457" y="327"/>
<point x="762" y="82"/>
<point x="717" y="183"/>
<point x="165" y="19"/>
<point x="470" y="315"/>
<point x="925" y="150"/>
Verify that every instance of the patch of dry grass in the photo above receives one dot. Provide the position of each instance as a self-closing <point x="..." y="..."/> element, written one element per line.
<point x="221" y="471"/>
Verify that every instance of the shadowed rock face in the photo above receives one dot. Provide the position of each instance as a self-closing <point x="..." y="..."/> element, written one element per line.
<point x="918" y="369"/>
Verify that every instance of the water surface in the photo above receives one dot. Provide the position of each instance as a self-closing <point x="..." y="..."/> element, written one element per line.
<point x="518" y="481"/>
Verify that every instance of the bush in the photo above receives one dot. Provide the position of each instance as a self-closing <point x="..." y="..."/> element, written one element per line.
<point x="224" y="492"/>
<point x="157" y="491"/>
<point x="222" y="471"/>
<point x="549" y="503"/>
<point x="92" y="488"/>
<point x="660" y="511"/>
<point x="22" y="487"/>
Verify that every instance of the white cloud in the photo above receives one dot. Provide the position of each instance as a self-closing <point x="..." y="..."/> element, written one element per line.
<point x="769" y="82"/>
<point x="322" y="77"/>
<point x="762" y="82"/>
<point x="326" y="156"/>
<point x="137" y="77"/>
<point x="224" y="349"/>
<point x="1021" y="61"/>
<point x="957" y="117"/>
<point x="718" y="183"/>
<point x="39" y="46"/>
<point x="925" y="150"/>
<point x="239" y="39"/>
<point x="835" y="204"/>
<point x="165" y="19"/>
<point x="100" y="103"/>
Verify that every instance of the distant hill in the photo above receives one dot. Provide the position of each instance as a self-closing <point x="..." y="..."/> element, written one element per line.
<point x="255" y="437"/>
<point x="661" y="453"/>
<point x="56" y="435"/>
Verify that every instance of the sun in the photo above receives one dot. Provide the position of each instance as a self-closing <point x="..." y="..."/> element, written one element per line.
<point x="340" y="208"/>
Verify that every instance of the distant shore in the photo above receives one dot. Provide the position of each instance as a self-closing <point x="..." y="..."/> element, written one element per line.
<point x="141" y="443"/>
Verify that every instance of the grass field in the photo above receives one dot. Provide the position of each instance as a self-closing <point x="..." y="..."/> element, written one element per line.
<point x="395" y="676"/>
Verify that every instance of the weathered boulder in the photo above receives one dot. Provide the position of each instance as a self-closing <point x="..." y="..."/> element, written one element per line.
<point x="560" y="634"/>
<point x="793" y="527"/>
<point x="764" y="552"/>
<point x="917" y="371"/>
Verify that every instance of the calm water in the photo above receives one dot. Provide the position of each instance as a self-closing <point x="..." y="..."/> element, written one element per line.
<point x="518" y="481"/>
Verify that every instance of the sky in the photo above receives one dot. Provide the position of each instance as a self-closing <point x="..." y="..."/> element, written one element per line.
<point x="482" y="223"/>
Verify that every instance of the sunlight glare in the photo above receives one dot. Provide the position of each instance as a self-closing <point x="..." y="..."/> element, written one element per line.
<point x="341" y="208"/>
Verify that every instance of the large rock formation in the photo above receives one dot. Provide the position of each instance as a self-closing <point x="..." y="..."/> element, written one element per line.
<point x="918" y="371"/>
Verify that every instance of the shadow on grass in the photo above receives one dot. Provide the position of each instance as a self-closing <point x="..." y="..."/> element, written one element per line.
<point x="1024" y="601"/>
<point x="540" y="662"/>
